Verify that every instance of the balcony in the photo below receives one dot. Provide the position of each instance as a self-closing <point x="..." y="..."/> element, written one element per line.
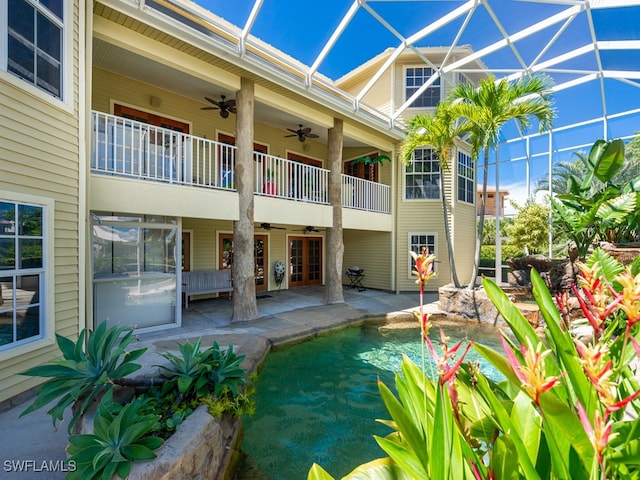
<point x="127" y="148"/>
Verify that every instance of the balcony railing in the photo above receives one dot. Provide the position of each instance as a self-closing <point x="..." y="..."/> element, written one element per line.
<point x="277" y="177"/>
<point x="365" y="195"/>
<point x="130" y="148"/>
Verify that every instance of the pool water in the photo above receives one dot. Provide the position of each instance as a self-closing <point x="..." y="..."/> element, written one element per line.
<point x="318" y="401"/>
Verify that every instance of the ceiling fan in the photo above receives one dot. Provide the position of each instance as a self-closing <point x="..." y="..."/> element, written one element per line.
<point x="309" y="229"/>
<point x="268" y="226"/>
<point x="225" y="106"/>
<point x="302" y="133"/>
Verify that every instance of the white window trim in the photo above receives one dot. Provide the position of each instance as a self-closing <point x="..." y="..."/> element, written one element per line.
<point x="473" y="193"/>
<point x="404" y="185"/>
<point x="66" y="58"/>
<point x="435" y="250"/>
<point x="47" y="336"/>
<point x="404" y="86"/>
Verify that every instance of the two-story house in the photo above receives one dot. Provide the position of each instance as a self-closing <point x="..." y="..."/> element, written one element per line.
<point x="402" y="85"/>
<point x="117" y="161"/>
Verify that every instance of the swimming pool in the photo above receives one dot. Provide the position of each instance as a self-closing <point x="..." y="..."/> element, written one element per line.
<point x="318" y="401"/>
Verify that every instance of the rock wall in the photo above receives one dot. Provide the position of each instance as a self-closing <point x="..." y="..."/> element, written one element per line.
<point x="195" y="451"/>
<point x="558" y="274"/>
<point x="474" y="304"/>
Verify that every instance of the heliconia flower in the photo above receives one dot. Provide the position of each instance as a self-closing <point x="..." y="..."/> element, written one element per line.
<point x="423" y="266"/>
<point x="425" y="324"/>
<point x="599" y="434"/>
<point x="532" y="373"/>
<point x="446" y="371"/>
<point x="603" y="299"/>
<point x="594" y="320"/>
<point x="630" y="296"/>
<point x="599" y="369"/>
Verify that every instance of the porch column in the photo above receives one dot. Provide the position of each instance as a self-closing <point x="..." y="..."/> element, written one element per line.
<point x="335" y="243"/>
<point x="245" y="306"/>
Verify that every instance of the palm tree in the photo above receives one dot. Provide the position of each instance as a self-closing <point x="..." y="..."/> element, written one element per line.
<point x="438" y="132"/>
<point x="562" y="174"/>
<point x="490" y="106"/>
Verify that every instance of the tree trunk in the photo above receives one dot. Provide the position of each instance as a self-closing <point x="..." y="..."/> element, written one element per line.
<point x="245" y="306"/>
<point x="476" y="260"/>
<point x="447" y="231"/>
<point x="335" y="243"/>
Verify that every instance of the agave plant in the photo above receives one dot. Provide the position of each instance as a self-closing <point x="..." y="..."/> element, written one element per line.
<point x="198" y="372"/>
<point x="120" y="436"/>
<point x="189" y="371"/>
<point x="226" y="370"/>
<point x="89" y="368"/>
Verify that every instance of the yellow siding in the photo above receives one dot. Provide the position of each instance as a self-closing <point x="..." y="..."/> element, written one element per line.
<point x="371" y="251"/>
<point x="39" y="156"/>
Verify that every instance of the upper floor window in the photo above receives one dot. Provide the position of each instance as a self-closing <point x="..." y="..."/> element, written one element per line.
<point x="466" y="178"/>
<point x="422" y="175"/>
<point x="414" y="78"/>
<point x="22" y="273"/>
<point x="34" y="34"/>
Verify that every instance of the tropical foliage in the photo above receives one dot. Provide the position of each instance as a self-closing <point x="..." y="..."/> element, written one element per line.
<point x="120" y="436"/>
<point x="122" y="433"/>
<point x="438" y="132"/>
<point x="89" y="369"/>
<point x="487" y="109"/>
<point x="565" y="409"/>
<point x="610" y="212"/>
<point x="529" y="230"/>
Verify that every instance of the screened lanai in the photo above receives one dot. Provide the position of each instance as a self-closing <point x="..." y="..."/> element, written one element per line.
<point x="589" y="48"/>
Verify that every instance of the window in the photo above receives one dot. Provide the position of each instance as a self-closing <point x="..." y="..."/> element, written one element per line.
<point x="422" y="175"/>
<point x="34" y="33"/>
<point x="466" y="178"/>
<point x="22" y="269"/>
<point x="415" y="77"/>
<point x="418" y="241"/>
<point x="134" y="261"/>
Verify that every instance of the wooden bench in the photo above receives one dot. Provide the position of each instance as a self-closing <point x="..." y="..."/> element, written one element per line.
<point x="201" y="282"/>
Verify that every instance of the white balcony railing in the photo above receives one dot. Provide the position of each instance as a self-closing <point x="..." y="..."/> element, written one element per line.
<point x="277" y="177"/>
<point x="365" y="195"/>
<point x="129" y="148"/>
<point x="134" y="149"/>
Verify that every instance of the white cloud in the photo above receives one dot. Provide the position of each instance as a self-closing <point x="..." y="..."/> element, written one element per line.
<point x="518" y="193"/>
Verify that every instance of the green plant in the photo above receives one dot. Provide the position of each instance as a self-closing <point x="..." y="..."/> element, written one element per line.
<point x="487" y="109"/>
<point x="606" y="214"/>
<point x="226" y="371"/>
<point x="89" y="368"/>
<point x="120" y="436"/>
<point x="565" y="410"/>
<point x="198" y="372"/>
<point x="189" y="372"/>
<point x="226" y="402"/>
<point x="438" y="132"/>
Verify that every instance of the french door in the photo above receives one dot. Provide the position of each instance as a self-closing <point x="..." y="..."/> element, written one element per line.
<point x="305" y="261"/>
<point x="259" y="256"/>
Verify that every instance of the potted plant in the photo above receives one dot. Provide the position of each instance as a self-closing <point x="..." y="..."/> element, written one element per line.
<point x="269" y="184"/>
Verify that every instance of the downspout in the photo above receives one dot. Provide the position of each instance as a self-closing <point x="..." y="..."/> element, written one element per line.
<point x="85" y="288"/>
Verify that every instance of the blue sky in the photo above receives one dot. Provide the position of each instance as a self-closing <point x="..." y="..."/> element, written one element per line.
<point x="301" y="29"/>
